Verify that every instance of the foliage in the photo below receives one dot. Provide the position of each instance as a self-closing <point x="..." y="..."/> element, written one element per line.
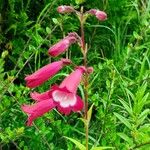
<point x="119" y="87"/>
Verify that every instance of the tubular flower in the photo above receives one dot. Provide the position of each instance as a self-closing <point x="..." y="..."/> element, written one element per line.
<point x="65" y="9"/>
<point x="64" y="95"/>
<point x="38" y="109"/>
<point x="46" y="72"/>
<point x="62" y="45"/>
<point x="40" y="97"/>
<point x="100" y="15"/>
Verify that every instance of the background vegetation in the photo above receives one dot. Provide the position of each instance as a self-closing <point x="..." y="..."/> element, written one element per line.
<point x="119" y="87"/>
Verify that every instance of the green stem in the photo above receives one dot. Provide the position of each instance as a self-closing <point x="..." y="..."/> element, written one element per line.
<point x="84" y="50"/>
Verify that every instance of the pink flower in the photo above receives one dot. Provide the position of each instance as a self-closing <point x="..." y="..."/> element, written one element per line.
<point x="63" y="45"/>
<point x="38" y="109"/>
<point x="65" y="9"/>
<point x="90" y="70"/>
<point x="64" y="95"/>
<point x="101" y="15"/>
<point x="40" y="97"/>
<point x="46" y="72"/>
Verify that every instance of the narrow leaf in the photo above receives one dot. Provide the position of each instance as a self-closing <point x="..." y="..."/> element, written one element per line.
<point x="79" y="1"/>
<point x="126" y="106"/>
<point x="126" y="138"/>
<point x="143" y="115"/>
<point x="84" y="121"/>
<point x="77" y="143"/>
<point x="123" y="120"/>
<point x="101" y="148"/>
<point x="90" y="113"/>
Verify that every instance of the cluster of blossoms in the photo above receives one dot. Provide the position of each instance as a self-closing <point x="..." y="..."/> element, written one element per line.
<point x="63" y="97"/>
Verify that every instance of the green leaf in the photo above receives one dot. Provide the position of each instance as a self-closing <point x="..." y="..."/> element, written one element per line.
<point x="123" y="120"/>
<point x="48" y="30"/>
<point x="102" y="147"/>
<point x="77" y="143"/>
<point x="129" y="93"/>
<point x="143" y="116"/>
<point x="125" y="137"/>
<point x="55" y="21"/>
<point x="4" y="54"/>
<point x="140" y="92"/>
<point x="136" y="35"/>
<point x="126" y="106"/>
<point x="90" y="113"/>
<point x="84" y="121"/>
<point x="145" y="128"/>
<point x="79" y="1"/>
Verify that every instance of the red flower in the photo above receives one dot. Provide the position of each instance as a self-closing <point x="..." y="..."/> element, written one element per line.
<point x="65" y="9"/>
<point x="46" y="72"/>
<point x="101" y="15"/>
<point x="62" y="45"/>
<point x="64" y="95"/>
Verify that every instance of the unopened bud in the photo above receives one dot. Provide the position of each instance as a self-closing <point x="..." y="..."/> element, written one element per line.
<point x="90" y="70"/>
<point x="65" y="9"/>
<point x="100" y="15"/>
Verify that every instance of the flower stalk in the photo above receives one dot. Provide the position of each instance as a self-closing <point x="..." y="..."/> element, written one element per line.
<point x="84" y="50"/>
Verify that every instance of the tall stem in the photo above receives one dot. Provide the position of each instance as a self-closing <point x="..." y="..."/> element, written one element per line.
<point x="84" y="49"/>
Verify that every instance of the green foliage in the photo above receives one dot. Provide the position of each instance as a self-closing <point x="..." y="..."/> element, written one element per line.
<point x="119" y="51"/>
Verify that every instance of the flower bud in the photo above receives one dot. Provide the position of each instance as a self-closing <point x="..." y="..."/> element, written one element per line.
<point x="62" y="45"/>
<point x="100" y="15"/>
<point x="90" y="70"/>
<point x="65" y="9"/>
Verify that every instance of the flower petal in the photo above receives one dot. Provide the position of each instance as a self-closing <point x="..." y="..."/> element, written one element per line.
<point x="65" y="100"/>
<point x="40" y="96"/>
<point x="72" y="81"/>
<point x="79" y="104"/>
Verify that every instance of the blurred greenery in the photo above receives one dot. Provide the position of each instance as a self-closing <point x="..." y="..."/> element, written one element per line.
<point x="119" y="87"/>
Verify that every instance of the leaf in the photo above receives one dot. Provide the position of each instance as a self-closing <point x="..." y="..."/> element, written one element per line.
<point x="130" y="93"/>
<point x="78" y="144"/>
<point x="128" y="109"/>
<point x="145" y="128"/>
<point x="136" y="35"/>
<point x="90" y="113"/>
<point x="55" y="21"/>
<point x="84" y="121"/>
<point x="125" y="137"/>
<point x="79" y="1"/>
<point x="4" y="54"/>
<point x="140" y="92"/>
<point x="123" y="120"/>
<point x="102" y="147"/>
<point x="48" y="30"/>
<point x="143" y="115"/>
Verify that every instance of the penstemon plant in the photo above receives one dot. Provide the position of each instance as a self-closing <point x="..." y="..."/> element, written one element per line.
<point x="64" y="97"/>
